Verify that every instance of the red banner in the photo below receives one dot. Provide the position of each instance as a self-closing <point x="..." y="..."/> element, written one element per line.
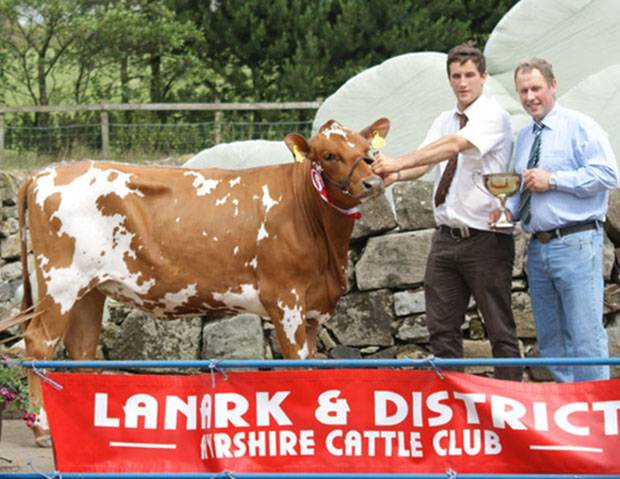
<point x="332" y="421"/>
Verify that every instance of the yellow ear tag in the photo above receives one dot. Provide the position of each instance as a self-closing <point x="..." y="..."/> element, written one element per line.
<point x="377" y="141"/>
<point x="299" y="158"/>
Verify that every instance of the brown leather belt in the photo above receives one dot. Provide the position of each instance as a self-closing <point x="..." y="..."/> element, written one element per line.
<point x="545" y="236"/>
<point x="457" y="233"/>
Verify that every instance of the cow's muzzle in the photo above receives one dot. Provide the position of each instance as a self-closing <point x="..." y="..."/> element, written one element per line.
<point x="370" y="186"/>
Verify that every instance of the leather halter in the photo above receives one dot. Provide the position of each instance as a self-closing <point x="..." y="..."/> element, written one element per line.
<point x="316" y="177"/>
<point x="344" y="185"/>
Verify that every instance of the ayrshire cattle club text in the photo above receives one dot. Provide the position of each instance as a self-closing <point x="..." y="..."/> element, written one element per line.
<point x="233" y="425"/>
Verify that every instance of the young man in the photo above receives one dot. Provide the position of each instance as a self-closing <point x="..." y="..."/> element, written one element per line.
<point x="568" y="167"/>
<point x="466" y="256"/>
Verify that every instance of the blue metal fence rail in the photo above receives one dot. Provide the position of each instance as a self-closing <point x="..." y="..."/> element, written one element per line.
<point x="316" y="363"/>
<point x="216" y="364"/>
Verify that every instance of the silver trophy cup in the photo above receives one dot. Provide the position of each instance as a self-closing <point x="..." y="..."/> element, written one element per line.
<point x="501" y="186"/>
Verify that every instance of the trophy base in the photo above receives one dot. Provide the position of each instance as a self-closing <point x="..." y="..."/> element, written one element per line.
<point x="502" y="224"/>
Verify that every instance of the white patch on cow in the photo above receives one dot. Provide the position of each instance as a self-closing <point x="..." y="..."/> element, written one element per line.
<point x="235" y="181"/>
<point x="335" y="129"/>
<point x="236" y="250"/>
<point x="215" y="238"/>
<point x="236" y="203"/>
<point x="92" y="231"/>
<point x="178" y="220"/>
<point x="268" y="202"/>
<point x="43" y="261"/>
<point x="314" y="314"/>
<point x="222" y="200"/>
<point x="304" y="352"/>
<point x="253" y="263"/>
<point x="41" y="420"/>
<point x="247" y="300"/>
<point x="203" y="185"/>
<point x="204" y="233"/>
<point x="262" y="233"/>
<point x="172" y="300"/>
<point x="350" y="144"/>
<point x="291" y="317"/>
<point x="52" y="343"/>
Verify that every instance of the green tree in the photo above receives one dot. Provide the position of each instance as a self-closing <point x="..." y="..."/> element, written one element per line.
<point x="294" y="49"/>
<point x="36" y="35"/>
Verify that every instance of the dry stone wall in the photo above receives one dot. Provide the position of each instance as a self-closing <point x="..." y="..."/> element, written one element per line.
<point x="382" y="315"/>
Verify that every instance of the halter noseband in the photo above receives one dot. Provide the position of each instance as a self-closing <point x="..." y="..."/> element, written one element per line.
<point x="344" y="185"/>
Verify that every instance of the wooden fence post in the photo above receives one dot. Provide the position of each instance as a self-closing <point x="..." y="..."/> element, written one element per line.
<point x="105" y="135"/>
<point x="217" y="127"/>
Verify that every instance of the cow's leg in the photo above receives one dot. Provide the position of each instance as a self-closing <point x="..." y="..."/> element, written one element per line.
<point x="289" y="319"/>
<point x="82" y="335"/>
<point x="42" y="335"/>
<point x="79" y="328"/>
<point x="312" y="330"/>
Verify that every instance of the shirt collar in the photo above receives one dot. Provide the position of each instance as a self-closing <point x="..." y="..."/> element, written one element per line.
<point x="472" y="108"/>
<point x="550" y="120"/>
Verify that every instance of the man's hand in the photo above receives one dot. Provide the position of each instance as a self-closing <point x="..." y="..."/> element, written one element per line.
<point x="385" y="165"/>
<point x="536" y="180"/>
<point x="390" y="179"/>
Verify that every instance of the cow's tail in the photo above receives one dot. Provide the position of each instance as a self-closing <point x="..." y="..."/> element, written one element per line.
<point x="22" y="206"/>
<point x="27" y="309"/>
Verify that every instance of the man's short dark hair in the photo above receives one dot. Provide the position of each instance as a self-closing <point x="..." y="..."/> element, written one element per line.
<point x="465" y="52"/>
<point x="543" y="66"/>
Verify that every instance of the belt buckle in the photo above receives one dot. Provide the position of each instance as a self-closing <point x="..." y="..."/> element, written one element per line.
<point x="544" y="237"/>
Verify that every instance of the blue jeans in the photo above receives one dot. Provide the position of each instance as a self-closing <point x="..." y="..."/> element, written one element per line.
<point x="565" y="278"/>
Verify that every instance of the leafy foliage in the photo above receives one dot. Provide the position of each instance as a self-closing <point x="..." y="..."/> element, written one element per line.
<point x="13" y="387"/>
<point x="72" y="51"/>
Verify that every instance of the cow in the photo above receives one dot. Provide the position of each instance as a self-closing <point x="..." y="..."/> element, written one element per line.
<point x="174" y="241"/>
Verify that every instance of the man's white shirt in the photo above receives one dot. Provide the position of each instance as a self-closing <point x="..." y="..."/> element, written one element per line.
<point x="488" y="129"/>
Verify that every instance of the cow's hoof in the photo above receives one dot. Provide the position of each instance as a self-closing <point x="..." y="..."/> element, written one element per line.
<point x="43" y="441"/>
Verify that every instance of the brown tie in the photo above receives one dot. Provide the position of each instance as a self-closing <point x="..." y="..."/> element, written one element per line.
<point x="448" y="173"/>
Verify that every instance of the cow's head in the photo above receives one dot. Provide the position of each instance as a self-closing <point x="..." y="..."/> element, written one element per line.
<point x="343" y="156"/>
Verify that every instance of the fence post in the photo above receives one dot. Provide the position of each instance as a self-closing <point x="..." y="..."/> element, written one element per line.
<point x="105" y="134"/>
<point x="217" y="127"/>
<point x="1" y="139"/>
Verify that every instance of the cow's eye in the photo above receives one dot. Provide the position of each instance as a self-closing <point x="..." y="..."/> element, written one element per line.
<point x="329" y="156"/>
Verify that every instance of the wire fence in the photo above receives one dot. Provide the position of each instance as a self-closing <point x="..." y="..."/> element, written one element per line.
<point x="138" y="133"/>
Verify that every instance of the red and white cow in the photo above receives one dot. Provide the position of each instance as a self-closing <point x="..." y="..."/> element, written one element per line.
<point x="175" y="241"/>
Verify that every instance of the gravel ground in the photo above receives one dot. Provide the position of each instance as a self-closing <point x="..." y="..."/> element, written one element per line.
<point x="18" y="452"/>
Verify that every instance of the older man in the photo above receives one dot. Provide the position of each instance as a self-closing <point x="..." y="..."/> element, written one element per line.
<point x="568" y="167"/>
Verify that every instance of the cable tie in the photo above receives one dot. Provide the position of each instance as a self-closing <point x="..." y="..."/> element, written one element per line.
<point x="213" y="368"/>
<point x="431" y="361"/>
<point x="227" y="474"/>
<point x="44" y="377"/>
<point x="55" y="474"/>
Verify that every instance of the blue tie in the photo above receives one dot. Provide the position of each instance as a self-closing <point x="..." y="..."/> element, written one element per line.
<point x="526" y="195"/>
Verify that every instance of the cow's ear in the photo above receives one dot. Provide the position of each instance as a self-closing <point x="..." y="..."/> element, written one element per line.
<point x="381" y="127"/>
<point x="298" y="146"/>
